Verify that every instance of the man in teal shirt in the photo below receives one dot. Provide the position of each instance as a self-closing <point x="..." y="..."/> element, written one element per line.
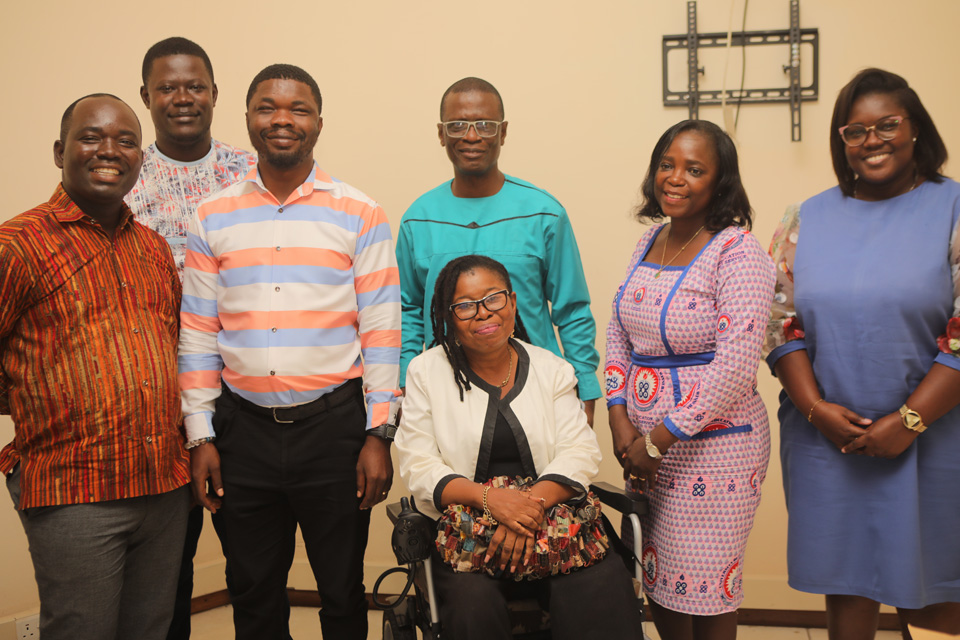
<point x="484" y="211"/>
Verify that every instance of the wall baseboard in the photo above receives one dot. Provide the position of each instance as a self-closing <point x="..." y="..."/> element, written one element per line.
<point x="747" y="617"/>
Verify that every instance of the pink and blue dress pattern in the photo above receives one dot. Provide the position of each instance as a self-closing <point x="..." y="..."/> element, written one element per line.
<point x="683" y="349"/>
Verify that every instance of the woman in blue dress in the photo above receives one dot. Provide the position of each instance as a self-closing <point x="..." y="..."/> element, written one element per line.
<point x="865" y="339"/>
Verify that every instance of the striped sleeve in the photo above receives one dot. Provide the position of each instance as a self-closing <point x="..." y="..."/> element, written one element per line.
<point x="199" y="357"/>
<point x="377" y="285"/>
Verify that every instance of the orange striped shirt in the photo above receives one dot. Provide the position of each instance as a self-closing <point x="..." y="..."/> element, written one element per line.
<point x="88" y="341"/>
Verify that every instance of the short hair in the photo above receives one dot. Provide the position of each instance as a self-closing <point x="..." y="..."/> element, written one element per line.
<point x="442" y="316"/>
<point x="471" y="84"/>
<point x="729" y="204"/>
<point x="929" y="151"/>
<point x="285" y="72"/>
<point x="175" y="46"/>
<point x="67" y="118"/>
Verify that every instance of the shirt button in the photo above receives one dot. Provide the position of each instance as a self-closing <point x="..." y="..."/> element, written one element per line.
<point x="123" y="284"/>
<point x="146" y="383"/>
<point x="135" y="330"/>
<point x="149" y="439"/>
<point x="273" y="373"/>
<point x="274" y="329"/>
<point x="280" y="210"/>
<point x="278" y="248"/>
<point x="276" y="289"/>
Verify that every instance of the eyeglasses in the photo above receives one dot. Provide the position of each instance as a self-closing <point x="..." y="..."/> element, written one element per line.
<point x="470" y="308"/>
<point x="855" y="135"/>
<point x="460" y="128"/>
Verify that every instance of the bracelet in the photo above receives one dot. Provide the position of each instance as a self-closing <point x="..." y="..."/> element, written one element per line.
<point x="810" y="415"/>
<point x="486" y="508"/>
<point x="196" y="443"/>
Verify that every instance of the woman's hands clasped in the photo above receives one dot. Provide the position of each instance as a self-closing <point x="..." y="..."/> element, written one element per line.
<point x="852" y="433"/>
<point x="637" y="463"/>
<point x="520" y="515"/>
<point x="623" y="432"/>
<point x="516" y="510"/>
<point x="838" y="424"/>
<point x="885" y="438"/>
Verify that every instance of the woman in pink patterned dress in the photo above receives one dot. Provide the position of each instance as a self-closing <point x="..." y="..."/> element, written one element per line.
<point x="682" y="351"/>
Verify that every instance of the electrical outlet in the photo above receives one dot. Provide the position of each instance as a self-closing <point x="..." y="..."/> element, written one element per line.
<point x="28" y="628"/>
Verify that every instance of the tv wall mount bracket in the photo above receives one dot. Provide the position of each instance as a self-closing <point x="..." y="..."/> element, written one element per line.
<point x="793" y="93"/>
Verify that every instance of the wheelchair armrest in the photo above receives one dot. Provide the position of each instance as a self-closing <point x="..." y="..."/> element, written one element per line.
<point x="393" y="512"/>
<point x="618" y="499"/>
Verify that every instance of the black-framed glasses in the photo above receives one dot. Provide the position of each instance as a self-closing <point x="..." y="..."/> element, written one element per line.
<point x="854" y="135"/>
<point x="460" y="128"/>
<point x="470" y="308"/>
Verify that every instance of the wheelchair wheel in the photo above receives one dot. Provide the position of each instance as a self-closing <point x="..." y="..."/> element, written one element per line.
<point x="397" y="625"/>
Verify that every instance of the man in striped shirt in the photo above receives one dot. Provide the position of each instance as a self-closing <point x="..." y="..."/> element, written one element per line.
<point x="289" y="363"/>
<point x="88" y="328"/>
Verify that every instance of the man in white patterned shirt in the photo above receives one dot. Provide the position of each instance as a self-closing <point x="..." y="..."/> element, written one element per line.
<point x="183" y="167"/>
<point x="185" y="164"/>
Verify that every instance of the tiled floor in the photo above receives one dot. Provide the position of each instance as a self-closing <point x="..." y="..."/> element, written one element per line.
<point x="217" y="624"/>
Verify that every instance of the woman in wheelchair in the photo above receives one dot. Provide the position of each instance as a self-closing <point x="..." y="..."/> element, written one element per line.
<point x="484" y="405"/>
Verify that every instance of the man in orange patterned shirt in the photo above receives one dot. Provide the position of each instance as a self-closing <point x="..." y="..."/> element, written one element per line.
<point x="89" y="331"/>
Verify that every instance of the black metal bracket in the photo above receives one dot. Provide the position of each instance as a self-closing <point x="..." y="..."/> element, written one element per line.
<point x="793" y="94"/>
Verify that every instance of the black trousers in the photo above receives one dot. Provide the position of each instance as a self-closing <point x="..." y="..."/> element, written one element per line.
<point x="180" y="625"/>
<point x="277" y="476"/>
<point x="595" y="603"/>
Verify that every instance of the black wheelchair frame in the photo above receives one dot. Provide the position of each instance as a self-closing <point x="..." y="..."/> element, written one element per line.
<point x="404" y="615"/>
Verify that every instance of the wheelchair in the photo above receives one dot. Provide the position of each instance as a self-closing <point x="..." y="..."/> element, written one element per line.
<point x="413" y="540"/>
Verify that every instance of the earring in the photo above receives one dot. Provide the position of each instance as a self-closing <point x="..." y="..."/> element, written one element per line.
<point x="914" y="138"/>
<point x="456" y="341"/>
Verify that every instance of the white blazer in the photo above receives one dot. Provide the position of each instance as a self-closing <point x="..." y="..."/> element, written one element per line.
<point x="441" y="437"/>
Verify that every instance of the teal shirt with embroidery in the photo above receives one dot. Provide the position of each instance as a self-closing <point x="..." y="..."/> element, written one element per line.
<point x="527" y="230"/>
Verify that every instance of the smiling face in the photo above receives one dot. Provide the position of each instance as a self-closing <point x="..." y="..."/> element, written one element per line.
<point x="283" y="120"/>
<point x="885" y="167"/>
<point x="100" y="154"/>
<point x="686" y="177"/>
<point x="181" y="96"/>
<point x="472" y="155"/>
<point x="488" y="331"/>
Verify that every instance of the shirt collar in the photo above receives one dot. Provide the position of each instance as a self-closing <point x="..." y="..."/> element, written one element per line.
<point x="318" y="180"/>
<point x="66" y="210"/>
<point x="153" y="149"/>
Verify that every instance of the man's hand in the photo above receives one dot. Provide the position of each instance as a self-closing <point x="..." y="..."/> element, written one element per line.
<point x="374" y="472"/>
<point x="205" y="468"/>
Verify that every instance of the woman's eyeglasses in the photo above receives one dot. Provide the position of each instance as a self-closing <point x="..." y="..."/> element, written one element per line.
<point x="470" y="308"/>
<point x="854" y="135"/>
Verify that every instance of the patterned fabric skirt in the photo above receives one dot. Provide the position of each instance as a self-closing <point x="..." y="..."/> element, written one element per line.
<point x="695" y="535"/>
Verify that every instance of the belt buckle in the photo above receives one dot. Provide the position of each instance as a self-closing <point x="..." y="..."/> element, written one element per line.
<point x="278" y="420"/>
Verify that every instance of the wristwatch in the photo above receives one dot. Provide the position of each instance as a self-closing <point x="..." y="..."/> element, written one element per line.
<point x="652" y="450"/>
<point x="386" y="431"/>
<point x="911" y="419"/>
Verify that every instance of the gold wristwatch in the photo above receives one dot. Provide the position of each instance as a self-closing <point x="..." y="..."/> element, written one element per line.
<point x="911" y="419"/>
<point x="652" y="450"/>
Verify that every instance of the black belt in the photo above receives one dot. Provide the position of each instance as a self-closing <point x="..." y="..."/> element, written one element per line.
<point x="288" y="415"/>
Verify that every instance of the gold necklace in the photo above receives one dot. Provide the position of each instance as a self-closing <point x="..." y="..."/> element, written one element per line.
<point x="509" y="367"/>
<point x="663" y="254"/>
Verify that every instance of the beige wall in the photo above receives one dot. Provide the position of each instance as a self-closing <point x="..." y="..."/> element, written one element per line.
<point x="581" y="83"/>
